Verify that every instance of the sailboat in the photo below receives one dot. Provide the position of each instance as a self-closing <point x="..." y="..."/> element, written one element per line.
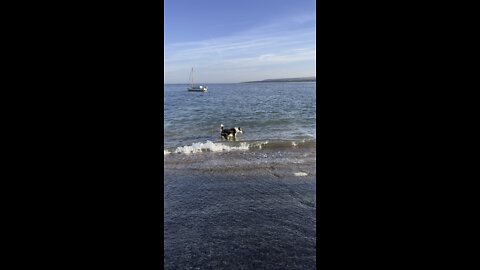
<point x="194" y="88"/>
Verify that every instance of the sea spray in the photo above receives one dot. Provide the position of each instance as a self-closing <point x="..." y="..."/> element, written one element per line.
<point x="210" y="146"/>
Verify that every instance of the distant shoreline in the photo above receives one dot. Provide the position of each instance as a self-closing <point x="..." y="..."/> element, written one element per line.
<point x="186" y="84"/>
<point x="304" y="79"/>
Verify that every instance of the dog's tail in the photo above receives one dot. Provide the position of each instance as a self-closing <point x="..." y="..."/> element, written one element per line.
<point x="221" y="127"/>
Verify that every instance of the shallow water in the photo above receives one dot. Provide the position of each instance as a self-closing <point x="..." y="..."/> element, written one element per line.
<point x="244" y="204"/>
<point x="240" y="210"/>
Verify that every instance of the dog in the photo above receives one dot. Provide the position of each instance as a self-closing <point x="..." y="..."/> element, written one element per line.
<point x="230" y="133"/>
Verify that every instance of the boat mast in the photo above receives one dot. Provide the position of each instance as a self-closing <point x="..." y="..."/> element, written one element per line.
<point x="192" y="77"/>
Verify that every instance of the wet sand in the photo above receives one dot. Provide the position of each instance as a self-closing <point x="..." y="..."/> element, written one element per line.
<point x="253" y="210"/>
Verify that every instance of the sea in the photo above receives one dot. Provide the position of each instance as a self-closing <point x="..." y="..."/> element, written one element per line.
<point x="247" y="203"/>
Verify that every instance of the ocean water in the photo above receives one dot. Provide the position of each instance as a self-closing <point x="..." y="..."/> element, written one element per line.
<point x="243" y="204"/>
<point x="265" y="111"/>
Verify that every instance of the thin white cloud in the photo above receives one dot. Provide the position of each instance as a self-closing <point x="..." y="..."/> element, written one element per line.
<point x="280" y="46"/>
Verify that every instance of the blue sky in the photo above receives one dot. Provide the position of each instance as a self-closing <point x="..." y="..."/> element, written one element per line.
<point x="235" y="41"/>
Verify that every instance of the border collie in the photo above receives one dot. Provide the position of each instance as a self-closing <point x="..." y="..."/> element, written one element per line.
<point x="230" y="133"/>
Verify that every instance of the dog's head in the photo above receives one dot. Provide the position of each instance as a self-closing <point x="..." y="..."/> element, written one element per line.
<point x="238" y="130"/>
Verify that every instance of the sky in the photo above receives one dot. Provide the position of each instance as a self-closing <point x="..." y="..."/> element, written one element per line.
<point x="229" y="41"/>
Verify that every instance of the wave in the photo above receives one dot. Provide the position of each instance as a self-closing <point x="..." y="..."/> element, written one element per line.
<point x="210" y="146"/>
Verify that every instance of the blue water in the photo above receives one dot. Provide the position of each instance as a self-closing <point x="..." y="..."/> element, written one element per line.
<point x="265" y="111"/>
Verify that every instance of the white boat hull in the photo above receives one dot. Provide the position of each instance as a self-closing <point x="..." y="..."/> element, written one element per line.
<point x="197" y="89"/>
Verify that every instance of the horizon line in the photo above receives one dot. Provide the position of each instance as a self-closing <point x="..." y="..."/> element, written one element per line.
<point x="288" y="78"/>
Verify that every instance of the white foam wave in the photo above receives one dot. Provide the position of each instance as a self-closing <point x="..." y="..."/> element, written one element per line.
<point x="209" y="146"/>
<point x="259" y="144"/>
<point x="300" y="174"/>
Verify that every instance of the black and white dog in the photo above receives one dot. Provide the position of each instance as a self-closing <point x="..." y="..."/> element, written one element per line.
<point x="230" y="133"/>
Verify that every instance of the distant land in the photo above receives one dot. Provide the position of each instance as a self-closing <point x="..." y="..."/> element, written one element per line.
<point x="303" y="79"/>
